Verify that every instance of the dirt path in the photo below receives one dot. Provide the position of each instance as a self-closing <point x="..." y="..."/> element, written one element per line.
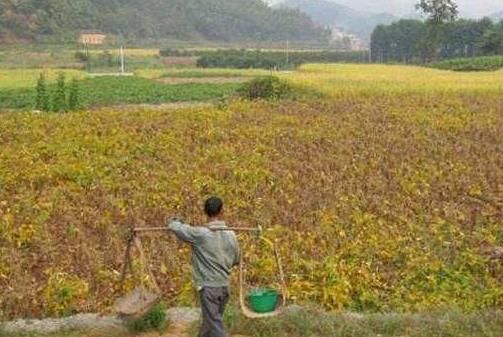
<point x="205" y="80"/>
<point x="94" y="325"/>
<point x="162" y="106"/>
<point x="175" y="330"/>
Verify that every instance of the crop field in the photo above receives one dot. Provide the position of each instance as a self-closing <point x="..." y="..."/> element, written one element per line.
<point x="383" y="196"/>
<point x="109" y="91"/>
<point x="484" y="63"/>
<point x="27" y="78"/>
<point x="198" y="73"/>
<point x="31" y="58"/>
<point x="389" y="81"/>
<point x="149" y="86"/>
<point x="132" y="51"/>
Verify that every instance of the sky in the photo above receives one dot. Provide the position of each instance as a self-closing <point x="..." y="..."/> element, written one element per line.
<point x="469" y="8"/>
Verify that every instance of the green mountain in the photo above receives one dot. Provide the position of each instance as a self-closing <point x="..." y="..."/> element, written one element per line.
<point x="332" y="14"/>
<point x="221" y="20"/>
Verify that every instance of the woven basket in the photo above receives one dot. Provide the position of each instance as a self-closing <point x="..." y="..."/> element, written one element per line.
<point x="136" y="304"/>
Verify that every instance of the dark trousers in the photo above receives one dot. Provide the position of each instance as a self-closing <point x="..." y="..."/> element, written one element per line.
<point x="213" y="302"/>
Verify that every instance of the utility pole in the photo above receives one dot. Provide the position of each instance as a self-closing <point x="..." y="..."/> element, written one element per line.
<point x="287" y="53"/>
<point x="88" y="57"/>
<point x="123" y="68"/>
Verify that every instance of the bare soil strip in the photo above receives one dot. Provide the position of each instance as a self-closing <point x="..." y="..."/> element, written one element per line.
<point x="163" y="106"/>
<point x="203" y="80"/>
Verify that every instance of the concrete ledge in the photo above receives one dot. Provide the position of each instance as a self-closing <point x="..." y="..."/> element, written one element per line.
<point x="90" y="322"/>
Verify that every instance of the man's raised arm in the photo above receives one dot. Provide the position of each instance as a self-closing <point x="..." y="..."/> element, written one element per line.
<point x="184" y="232"/>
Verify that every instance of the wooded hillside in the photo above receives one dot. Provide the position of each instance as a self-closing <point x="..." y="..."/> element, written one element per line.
<point x="225" y="20"/>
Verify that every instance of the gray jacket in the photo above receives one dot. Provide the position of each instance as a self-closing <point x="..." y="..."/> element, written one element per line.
<point x="214" y="253"/>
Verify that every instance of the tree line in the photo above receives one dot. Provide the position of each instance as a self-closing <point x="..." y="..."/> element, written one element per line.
<point x="409" y="41"/>
<point x="441" y="36"/>
<point x="260" y="59"/>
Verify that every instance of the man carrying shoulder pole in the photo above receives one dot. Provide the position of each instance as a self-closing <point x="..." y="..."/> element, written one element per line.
<point x="215" y="251"/>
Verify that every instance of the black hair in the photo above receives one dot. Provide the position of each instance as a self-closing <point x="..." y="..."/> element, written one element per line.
<point x="213" y="206"/>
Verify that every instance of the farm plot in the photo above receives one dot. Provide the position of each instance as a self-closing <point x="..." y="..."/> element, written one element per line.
<point x="27" y="78"/>
<point x="107" y="91"/>
<point x="383" y="196"/>
<point x="383" y="81"/>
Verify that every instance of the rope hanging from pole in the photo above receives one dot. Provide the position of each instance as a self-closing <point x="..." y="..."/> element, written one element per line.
<point x="247" y="312"/>
<point x="140" y="301"/>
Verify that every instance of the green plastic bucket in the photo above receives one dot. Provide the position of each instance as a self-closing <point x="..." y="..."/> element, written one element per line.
<point x="263" y="300"/>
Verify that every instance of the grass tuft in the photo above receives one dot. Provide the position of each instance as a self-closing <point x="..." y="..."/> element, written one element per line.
<point x="155" y="319"/>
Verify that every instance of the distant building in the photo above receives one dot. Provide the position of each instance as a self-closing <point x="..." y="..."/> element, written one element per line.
<point x="92" y="37"/>
<point x="347" y="41"/>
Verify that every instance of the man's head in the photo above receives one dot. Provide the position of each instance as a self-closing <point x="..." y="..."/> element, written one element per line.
<point x="213" y="207"/>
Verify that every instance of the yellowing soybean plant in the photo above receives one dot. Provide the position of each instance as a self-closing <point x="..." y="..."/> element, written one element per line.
<point x="384" y="195"/>
<point x="384" y="80"/>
